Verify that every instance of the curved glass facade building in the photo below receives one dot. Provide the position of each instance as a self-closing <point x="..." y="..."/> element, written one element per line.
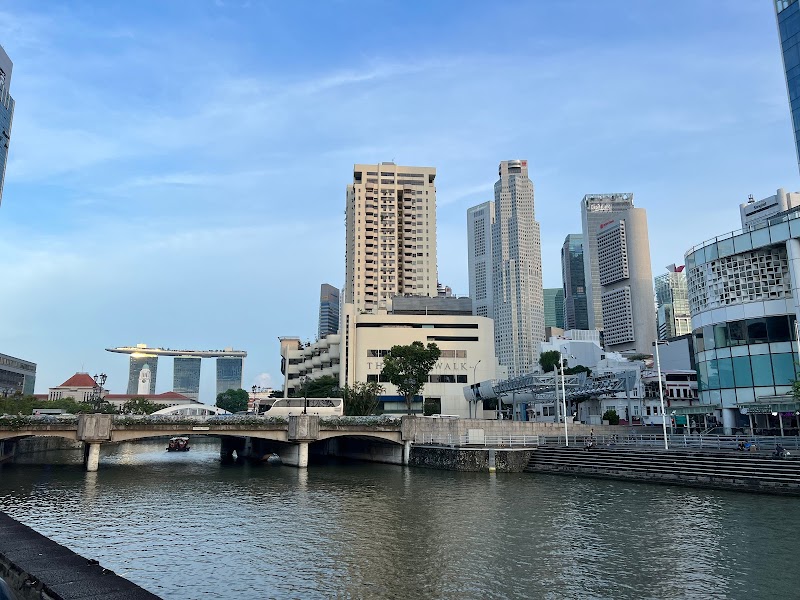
<point x="744" y="297"/>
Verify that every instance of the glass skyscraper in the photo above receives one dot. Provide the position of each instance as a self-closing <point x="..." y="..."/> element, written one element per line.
<point x="6" y="113"/>
<point x="576" y="311"/>
<point x="328" y="310"/>
<point x="554" y="307"/>
<point x="186" y="376"/>
<point x="788" y="12"/>
<point x="229" y="374"/>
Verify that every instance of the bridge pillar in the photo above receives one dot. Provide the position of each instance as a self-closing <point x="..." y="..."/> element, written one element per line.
<point x="93" y="456"/>
<point x="302" y="455"/>
<point x="406" y="452"/>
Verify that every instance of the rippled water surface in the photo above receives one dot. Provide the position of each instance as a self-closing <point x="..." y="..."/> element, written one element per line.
<point x="184" y="526"/>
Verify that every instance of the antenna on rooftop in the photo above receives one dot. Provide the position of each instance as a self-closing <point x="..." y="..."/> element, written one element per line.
<point x="750" y="199"/>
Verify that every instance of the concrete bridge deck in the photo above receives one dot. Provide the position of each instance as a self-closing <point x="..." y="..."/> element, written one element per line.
<point x="291" y="436"/>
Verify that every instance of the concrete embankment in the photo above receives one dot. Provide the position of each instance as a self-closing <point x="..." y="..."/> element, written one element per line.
<point x="470" y="459"/>
<point x="731" y="470"/>
<point x="37" y="568"/>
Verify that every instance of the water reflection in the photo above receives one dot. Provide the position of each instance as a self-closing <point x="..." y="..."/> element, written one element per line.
<point x="174" y="522"/>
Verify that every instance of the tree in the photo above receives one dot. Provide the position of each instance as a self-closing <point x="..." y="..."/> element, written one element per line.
<point x="139" y="406"/>
<point x="326" y="386"/>
<point x="233" y="400"/>
<point x="577" y="369"/>
<point x="362" y="398"/>
<point x="408" y="367"/>
<point x="548" y="360"/>
<point x="611" y="416"/>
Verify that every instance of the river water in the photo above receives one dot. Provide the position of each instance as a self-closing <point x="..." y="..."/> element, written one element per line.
<point x="184" y="526"/>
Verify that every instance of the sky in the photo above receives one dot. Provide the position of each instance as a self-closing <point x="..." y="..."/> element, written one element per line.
<point x="178" y="168"/>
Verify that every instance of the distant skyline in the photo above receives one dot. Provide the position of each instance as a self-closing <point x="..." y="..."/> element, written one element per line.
<point x="177" y="170"/>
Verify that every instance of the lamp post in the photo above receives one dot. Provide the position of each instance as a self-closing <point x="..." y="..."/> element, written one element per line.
<point x="474" y="391"/>
<point x="563" y="396"/>
<point x="99" y="382"/>
<point x="305" y="394"/>
<point x="661" y="397"/>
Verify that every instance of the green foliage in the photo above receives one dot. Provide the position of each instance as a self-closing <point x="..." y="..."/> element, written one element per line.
<point x="432" y="407"/>
<point x="548" y="360"/>
<point x="139" y="406"/>
<point x="233" y="400"/>
<point x="408" y="367"/>
<point x="25" y="405"/>
<point x="326" y="386"/>
<point x="634" y="357"/>
<point x="362" y="398"/>
<point x="611" y="416"/>
<point x="577" y="369"/>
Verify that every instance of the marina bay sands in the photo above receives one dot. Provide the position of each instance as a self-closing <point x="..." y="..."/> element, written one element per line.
<point x="186" y="368"/>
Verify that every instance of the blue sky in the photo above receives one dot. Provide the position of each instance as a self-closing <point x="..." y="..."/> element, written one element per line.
<point x="178" y="168"/>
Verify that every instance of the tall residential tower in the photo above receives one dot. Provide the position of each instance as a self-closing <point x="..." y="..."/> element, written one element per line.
<point x="6" y="113"/>
<point x="390" y="234"/>
<point x="516" y="270"/>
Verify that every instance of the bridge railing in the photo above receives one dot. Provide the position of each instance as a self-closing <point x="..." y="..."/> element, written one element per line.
<point x="487" y="441"/>
<point x="762" y="444"/>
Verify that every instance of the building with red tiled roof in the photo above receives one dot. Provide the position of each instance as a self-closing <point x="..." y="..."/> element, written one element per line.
<point x="82" y="387"/>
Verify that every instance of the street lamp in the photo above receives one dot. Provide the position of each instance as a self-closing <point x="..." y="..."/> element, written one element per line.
<point x="661" y="394"/>
<point x="474" y="391"/>
<point x="99" y="382"/>
<point x="305" y="394"/>
<point x="563" y="393"/>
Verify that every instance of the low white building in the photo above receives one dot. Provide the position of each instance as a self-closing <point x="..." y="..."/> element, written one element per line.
<point x="356" y="353"/>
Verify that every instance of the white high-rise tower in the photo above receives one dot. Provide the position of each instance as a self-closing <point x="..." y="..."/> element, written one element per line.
<point x="518" y="302"/>
<point x="390" y="234"/>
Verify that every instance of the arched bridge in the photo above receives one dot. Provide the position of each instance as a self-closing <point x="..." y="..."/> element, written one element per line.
<point x="296" y="431"/>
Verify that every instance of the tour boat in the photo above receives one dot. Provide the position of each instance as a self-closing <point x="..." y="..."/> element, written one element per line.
<point x="178" y="444"/>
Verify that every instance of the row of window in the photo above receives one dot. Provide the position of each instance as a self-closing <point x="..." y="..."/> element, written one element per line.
<point x="761" y="330"/>
<point x="747" y="371"/>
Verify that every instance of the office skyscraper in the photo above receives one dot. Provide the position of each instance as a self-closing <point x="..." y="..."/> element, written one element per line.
<point x="517" y="271"/>
<point x="553" y="307"/>
<point x="576" y="314"/>
<point x="390" y="234"/>
<point x="328" y="310"/>
<point x="595" y="210"/>
<point x="6" y="113"/>
<point x="672" y="299"/>
<point x="626" y="282"/>
<point x="788" y="14"/>
<point x="479" y="250"/>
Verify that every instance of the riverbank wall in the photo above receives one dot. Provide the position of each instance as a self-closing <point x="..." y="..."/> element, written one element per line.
<point x="727" y="470"/>
<point x="36" y="568"/>
<point x="470" y="459"/>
